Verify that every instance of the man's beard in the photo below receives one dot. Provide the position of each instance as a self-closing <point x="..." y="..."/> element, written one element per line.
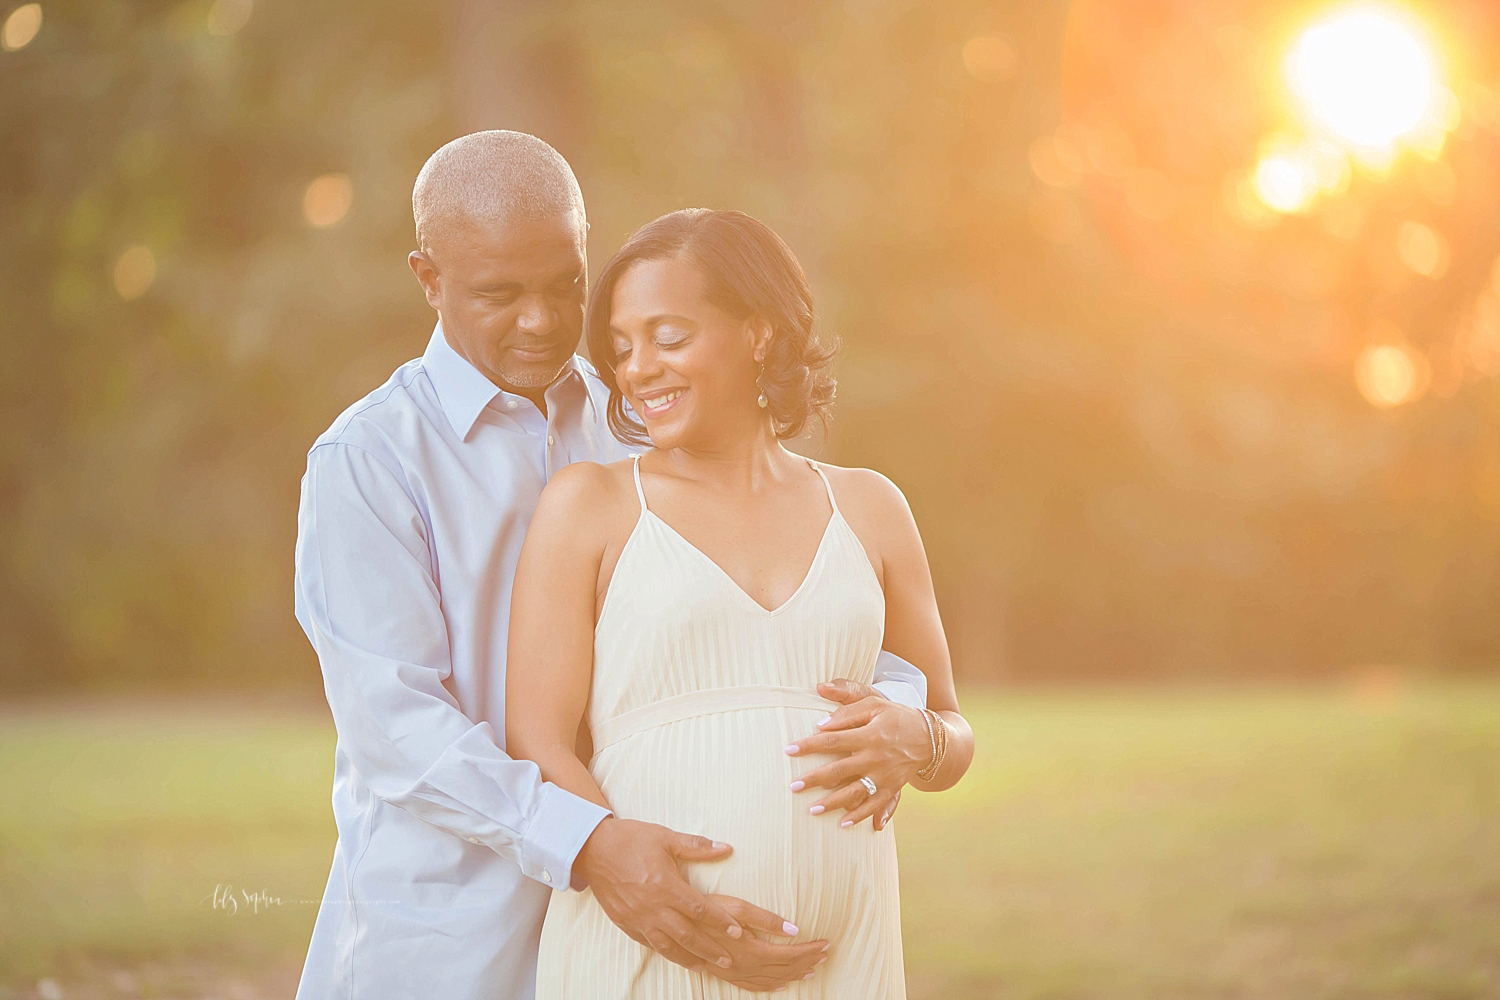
<point x="531" y="377"/>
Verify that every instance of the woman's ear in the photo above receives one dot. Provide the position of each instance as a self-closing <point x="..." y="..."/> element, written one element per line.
<point x="760" y="337"/>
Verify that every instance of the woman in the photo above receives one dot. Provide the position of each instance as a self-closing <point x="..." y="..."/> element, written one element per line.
<point x="721" y="577"/>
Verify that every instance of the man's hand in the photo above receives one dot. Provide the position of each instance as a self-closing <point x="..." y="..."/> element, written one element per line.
<point x="760" y="965"/>
<point x="632" y="868"/>
<point x="881" y="740"/>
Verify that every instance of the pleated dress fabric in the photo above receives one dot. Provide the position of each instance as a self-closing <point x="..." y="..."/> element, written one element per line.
<point x="697" y="689"/>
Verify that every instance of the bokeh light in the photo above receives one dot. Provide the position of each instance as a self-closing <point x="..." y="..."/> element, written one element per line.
<point x="226" y="17"/>
<point x="134" y="272"/>
<point x="1391" y="374"/>
<point x="327" y="200"/>
<point x="1056" y="160"/>
<point x="1286" y="181"/>
<point x="989" y="58"/>
<point x="1366" y="74"/>
<point x="1422" y="249"/>
<point x="21" y="26"/>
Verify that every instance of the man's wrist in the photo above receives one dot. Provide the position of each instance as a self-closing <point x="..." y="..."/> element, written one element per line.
<point x="578" y="877"/>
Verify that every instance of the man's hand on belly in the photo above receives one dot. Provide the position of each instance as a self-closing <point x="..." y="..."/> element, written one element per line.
<point x="633" y="869"/>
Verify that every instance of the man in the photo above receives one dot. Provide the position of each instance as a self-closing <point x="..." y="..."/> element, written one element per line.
<point x="414" y="507"/>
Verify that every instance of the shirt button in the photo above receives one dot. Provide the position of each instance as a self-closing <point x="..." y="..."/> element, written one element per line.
<point x="549" y="440"/>
<point x="546" y="875"/>
<point x="511" y="404"/>
<point x="475" y="840"/>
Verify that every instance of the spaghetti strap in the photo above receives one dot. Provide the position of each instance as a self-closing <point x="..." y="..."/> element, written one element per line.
<point x="826" y="485"/>
<point x="636" y="462"/>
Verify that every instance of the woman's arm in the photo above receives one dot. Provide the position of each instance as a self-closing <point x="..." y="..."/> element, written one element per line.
<point x="914" y="629"/>
<point x="551" y="649"/>
<point x="887" y="742"/>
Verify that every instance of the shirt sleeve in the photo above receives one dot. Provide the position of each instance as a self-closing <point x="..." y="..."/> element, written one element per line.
<point x="367" y="598"/>
<point x="900" y="681"/>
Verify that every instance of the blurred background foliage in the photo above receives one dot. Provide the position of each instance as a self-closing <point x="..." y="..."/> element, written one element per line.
<point x="1175" y="390"/>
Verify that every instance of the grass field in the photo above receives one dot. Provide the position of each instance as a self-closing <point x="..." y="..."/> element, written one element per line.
<point x="1328" y="844"/>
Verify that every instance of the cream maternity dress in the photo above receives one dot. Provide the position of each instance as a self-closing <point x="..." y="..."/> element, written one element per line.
<point x="697" y="689"/>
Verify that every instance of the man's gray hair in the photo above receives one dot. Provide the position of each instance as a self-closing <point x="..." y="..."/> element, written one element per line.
<point x="489" y="179"/>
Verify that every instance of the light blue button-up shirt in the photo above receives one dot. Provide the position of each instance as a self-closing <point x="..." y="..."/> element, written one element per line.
<point x="414" y="507"/>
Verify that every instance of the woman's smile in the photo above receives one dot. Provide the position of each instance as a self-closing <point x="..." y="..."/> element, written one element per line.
<point x="661" y="402"/>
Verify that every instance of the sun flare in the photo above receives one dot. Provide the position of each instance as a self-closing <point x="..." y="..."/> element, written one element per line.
<point x="1367" y="74"/>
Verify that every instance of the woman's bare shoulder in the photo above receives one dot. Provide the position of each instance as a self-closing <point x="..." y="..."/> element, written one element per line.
<point x="866" y="491"/>
<point x="589" y="493"/>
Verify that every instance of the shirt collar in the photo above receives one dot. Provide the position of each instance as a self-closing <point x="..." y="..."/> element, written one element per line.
<point x="464" y="391"/>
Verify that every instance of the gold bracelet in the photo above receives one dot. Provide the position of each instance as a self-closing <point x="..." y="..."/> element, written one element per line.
<point x="938" y="733"/>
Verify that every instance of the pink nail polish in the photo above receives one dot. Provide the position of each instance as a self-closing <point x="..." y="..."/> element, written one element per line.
<point x="846" y="822"/>
<point x="825" y="720"/>
<point x="815" y="810"/>
<point x="808" y="976"/>
<point x="821" y="960"/>
<point x="798" y="785"/>
<point x="789" y="928"/>
<point x="792" y="749"/>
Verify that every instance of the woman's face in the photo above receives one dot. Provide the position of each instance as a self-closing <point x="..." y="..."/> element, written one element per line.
<point x="687" y="367"/>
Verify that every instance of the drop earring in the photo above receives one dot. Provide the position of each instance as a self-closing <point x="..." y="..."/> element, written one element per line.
<point x="761" y="400"/>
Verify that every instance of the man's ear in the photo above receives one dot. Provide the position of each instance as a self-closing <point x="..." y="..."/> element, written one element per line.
<point x="427" y="275"/>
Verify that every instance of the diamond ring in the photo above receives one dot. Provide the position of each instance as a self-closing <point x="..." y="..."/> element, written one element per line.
<point x="869" y="785"/>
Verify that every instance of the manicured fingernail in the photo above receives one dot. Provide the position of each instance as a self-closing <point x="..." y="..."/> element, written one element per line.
<point x="719" y="845"/>
<point x="821" y="960"/>
<point x="798" y="785"/>
<point x="846" y="822"/>
<point x="788" y="928"/>
<point x="723" y="963"/>
<point x="735" y="931"/>
<point x="809" y="975"/>
<point x="826" y="944"/>
<point x="815" y="810"/>
<point x="793" y="749"/>
<point x="825" y="720"/>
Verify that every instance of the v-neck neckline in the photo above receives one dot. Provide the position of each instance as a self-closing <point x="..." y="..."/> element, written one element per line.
<point x="770" y="612"/>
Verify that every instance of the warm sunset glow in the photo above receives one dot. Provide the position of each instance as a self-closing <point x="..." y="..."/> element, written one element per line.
<point x="21" y="27"/>
<point x="327" y="199"/>
<point x="1389" y="375"/>
<point x="1368" y="75"/>
<point x="134" y="272"/>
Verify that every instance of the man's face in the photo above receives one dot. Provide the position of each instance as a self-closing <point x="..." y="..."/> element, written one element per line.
<point x="510" y="297"/>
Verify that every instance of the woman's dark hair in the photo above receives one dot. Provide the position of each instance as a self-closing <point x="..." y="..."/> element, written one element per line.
<point x="749" y="271"/>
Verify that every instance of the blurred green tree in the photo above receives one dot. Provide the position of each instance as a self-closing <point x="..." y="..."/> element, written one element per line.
<point x="1124" y="410"/>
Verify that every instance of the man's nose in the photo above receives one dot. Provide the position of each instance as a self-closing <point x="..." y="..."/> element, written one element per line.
<point x="535" y="315"/>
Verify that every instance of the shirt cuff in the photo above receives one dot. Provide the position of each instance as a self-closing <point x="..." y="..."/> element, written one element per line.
<point x="557" y="833"/>
<point x="901" y="692"/>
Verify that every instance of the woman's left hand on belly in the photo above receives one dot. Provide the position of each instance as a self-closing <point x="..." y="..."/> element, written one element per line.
<point x="882" y="741"/>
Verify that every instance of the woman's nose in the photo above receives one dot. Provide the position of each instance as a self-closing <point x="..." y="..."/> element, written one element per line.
<point x="640" y="365"/>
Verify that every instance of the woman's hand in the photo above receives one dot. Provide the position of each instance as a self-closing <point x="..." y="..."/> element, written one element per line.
<point x="759" y="964"/>
<point x="884" y="741"/>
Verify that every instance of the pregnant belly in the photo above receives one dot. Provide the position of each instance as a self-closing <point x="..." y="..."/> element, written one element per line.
<point x="725" y="775"/>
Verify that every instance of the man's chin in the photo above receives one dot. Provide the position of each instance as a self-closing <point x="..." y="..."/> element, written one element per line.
<point x="532" y="375"/>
